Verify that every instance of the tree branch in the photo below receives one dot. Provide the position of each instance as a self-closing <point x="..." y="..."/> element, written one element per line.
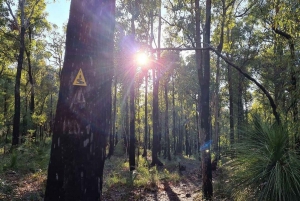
<point x="31" y="14"/>
<point x="272" y="103"/>
<point x="245" y="10"/>
<point x="284" y="34"/>
<point x="12" y="14"/>
<point x="180" y="49"/>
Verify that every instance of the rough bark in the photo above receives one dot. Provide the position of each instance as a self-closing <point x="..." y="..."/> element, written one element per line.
<point x="240" y="108"/>
<point x="83" y="115"/>
<point x="112" y="136"/>
<point x="207" y="187"/>
<point x="131" y="105"/>
<point x="30" y="74"/>
<point x="167" y="137"/>
<point x="155" y="118"/>
<point x="17" y="104"/>
<point x="199" y="66"/>
<point x="217" y="89"/>
<point x="132" y="124"/>
<point x="155" y="114"/>
<point x="231" y="115"/>
<point x="146" y="116"/>
<point x="126" y="124"/>
<point x="173" y="115"/>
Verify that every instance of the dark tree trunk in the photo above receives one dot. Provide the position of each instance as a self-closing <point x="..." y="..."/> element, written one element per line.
<point x="240" y="111"/>
<point x="31" y="105"/>
<point x="139" y="131"/>
<point x="207" y="187"/>
<point x="155" y="115"/>
<point x="83" y="115"/>
<point x="217" y="96"/>
<point x="216" y="109"/>
<point x="159" y="133"/>
<point x="197" y="128"/>
<point x="155" y="118"/>
<point x="180" y="132"/>
<point x="146" y="116"/>
<point x="17" y="104"/>
<point x="5" y="109"/>
<point x="231" y="115"/>
<point x="173" y="115"/>
<point x="198" y="59"/>
<point x="132" y="106"/>
<point x="187" y="141"/>
<point x="132" y="124"/>
<point x="149" y="141"/>
<point x="126" y="124"/>
<point x="167" y="137"/>
<point x="115" y="139"/>
<point x="112" y="135"/>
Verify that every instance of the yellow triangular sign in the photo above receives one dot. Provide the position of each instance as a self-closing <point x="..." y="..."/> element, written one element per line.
<point x="79" y="80"/>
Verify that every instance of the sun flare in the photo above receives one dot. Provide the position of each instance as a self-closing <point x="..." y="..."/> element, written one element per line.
<point x="142" y="59"/>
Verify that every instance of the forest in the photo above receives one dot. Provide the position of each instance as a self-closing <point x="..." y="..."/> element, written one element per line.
<point x="150" y="100"/>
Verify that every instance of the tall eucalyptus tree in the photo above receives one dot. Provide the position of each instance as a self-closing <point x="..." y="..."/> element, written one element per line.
<point x="83" y="115"/>
<point x="21" y="22"/>
<point x="207" y="187"/>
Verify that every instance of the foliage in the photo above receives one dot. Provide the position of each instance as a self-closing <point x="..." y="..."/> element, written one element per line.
<point x="29" y="157"/>
<point x="266" y="164"/>
<point x="144" y="176"/>
<point x="24" y="166"/>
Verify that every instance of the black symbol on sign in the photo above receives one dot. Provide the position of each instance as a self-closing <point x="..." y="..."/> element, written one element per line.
<point x="79" y="80"/>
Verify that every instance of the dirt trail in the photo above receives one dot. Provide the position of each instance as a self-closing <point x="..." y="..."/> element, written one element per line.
<point x="30" y="187"/>
<point x="187" y="189"/>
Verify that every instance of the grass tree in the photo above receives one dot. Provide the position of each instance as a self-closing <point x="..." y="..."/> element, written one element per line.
<point x="266" y="164"/>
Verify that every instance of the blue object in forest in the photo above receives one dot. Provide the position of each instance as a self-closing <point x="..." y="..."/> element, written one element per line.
<point x="206" y="145"/>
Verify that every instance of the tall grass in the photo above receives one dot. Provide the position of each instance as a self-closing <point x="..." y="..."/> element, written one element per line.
<point x="266" y="165"/>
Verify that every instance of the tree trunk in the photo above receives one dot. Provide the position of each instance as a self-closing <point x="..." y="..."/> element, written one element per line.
<point x="31" y="105"/>
<point x="167" y="137"/>
<point x="155" y="115"/>
<point x="197" y="128"/>
<point x="132" y="123"/>
<point x="132" y="107"/>
<point x="149" y="141"/>
<point x="231" y="115"/>
<point x="180" y="132"/>
<point x="146" y="116"/>
<point x="198" y="59"/>
<point x="217" y="109"/>
<point x="126" y="124"/>
<point x="17" y="104"/>
<point x="83" y="116"/>
<point x="187" y="141"/>
<point x="113" y="133"/>
<point x="240" y="111"/>
<point x="173" y="115"/>
<point x="155" y="119"/>
<point x="217" y="96"/>
<point x="5" y="108"/>
<point x="207" y="187"/>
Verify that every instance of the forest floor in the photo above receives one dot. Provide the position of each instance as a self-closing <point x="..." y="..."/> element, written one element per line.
<point x="23" y="177"/>
<point x="184" y="188"/>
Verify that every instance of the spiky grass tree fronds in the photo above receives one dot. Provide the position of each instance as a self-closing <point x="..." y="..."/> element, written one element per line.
<point x="266" y="165"/>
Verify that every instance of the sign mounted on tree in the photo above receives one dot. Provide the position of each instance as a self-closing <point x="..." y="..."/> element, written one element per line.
<point x="79" y="80"/>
